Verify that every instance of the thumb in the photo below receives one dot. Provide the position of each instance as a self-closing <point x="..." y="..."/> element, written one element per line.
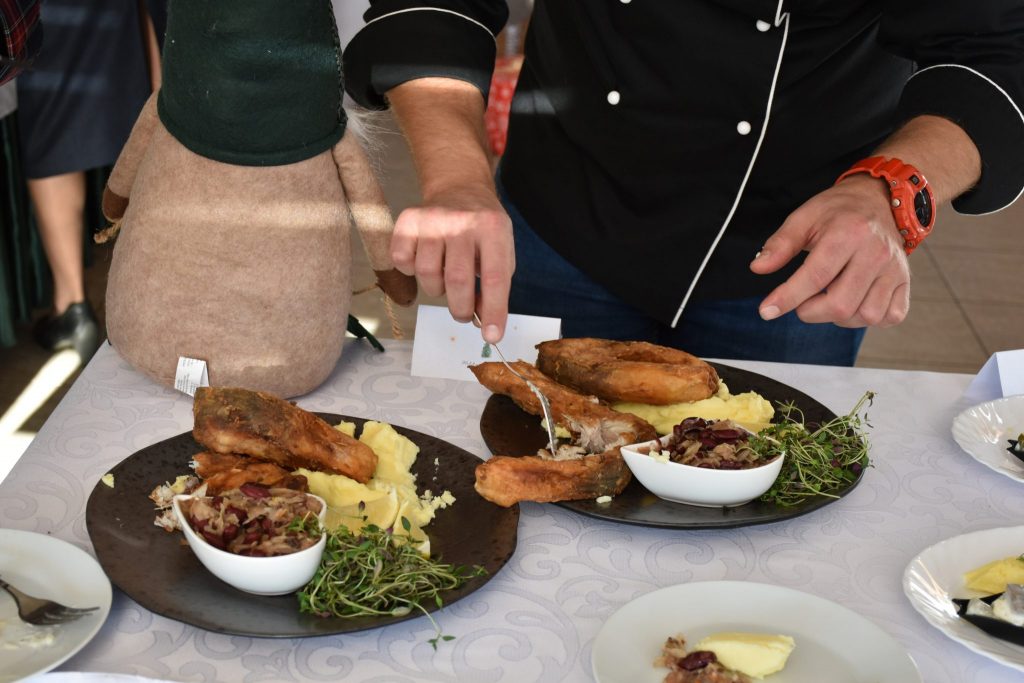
<point x="785" y="243"/>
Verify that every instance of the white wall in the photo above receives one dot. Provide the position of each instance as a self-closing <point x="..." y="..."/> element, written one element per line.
<point x="349" y="14"/>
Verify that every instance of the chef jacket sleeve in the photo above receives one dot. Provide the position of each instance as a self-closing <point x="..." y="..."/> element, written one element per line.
<point x="970" y="70"/>
<point x="405" y="39"/>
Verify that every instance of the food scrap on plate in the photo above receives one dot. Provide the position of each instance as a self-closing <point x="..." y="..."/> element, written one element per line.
<point x="1016" y="446"/>
<point x="725" y="658"/>
<point x="1001" y="612"/>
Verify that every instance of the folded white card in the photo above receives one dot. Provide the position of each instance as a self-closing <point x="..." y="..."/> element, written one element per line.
<point x="1002" y="375"/>
<point x="445" y="349"/>
<point x="190" y="375"/>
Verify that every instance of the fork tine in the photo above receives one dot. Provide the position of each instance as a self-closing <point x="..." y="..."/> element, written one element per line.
<point x="62" y="616"/>
<point x="545" y="404"/>
<point x="52" y="619"/>
<point x="40" y="611"/>
<point x="67" y="614"/>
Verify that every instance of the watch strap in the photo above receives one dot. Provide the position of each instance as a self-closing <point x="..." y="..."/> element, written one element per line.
<point x="904" y="183"/>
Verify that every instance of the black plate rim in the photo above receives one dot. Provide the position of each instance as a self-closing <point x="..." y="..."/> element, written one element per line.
<point x="589" y="508"/>
<point x="334" y="625"/>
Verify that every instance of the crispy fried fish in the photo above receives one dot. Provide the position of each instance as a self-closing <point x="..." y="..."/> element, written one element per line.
<point x="637" y="372"/>
<point x="263" y="426"/>
<point x="225" y="471"/>
<point x="598" y="468"/>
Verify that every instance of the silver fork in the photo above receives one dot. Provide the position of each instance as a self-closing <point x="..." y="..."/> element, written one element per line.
<point x="545" y="405"/>
<point x="40" y="612"/>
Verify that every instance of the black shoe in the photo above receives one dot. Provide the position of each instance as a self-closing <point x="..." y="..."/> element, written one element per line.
<point x="76" y="328"/>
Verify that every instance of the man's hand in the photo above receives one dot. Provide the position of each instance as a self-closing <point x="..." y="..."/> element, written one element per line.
<point x="449" y="241"/>
<point x="856" y="273"/>
<point x="460" y="231"/>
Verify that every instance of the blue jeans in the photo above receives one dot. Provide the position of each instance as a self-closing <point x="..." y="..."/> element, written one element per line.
<point x="546" y="284"/>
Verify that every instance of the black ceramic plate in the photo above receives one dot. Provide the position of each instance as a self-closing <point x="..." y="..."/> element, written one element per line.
<point x="158" y="570"/>
<point x="508" y="430"/>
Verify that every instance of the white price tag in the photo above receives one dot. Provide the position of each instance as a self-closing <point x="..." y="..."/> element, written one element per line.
<point x="190" y="375"/>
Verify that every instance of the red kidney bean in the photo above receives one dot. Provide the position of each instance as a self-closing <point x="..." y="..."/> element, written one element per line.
<point x="697" y="660"/>
<point x="239" y="514"/>
<point x="257" y="491"/>
<point x="213" y="539"/>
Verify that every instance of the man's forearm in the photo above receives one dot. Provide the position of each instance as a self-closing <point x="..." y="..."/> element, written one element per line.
<point x="459" y="241"/>
<point x="442" y="120"/>
<point x="941" y="150"/>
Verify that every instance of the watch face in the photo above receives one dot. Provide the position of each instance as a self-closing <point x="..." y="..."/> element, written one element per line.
<point x="923" y="208"/>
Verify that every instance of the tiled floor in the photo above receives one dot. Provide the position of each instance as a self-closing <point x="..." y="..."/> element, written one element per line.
<point x="968" y="295"/>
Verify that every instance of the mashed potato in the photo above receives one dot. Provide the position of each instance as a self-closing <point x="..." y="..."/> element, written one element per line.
<point x="754" y="654"/>
<point x="389" y="496"/>
<point x="750" y="409"/>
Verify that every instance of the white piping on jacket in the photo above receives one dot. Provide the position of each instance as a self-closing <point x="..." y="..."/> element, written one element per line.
<point x="1005" y="94"/>
<point x="781" y="19"/>
<point x="779" y="16"/>
<point x="429" y="9"/>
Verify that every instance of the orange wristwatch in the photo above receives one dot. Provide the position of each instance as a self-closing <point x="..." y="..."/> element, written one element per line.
<point x="912" y="202"/>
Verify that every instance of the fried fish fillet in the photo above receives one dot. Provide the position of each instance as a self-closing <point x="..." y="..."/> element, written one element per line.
<point x="636" y="372"/>
<point x="263" y="426"/>
<point x="225" y="471"/>
<point x="508" y="479"/>
<point x="596" y="428"/>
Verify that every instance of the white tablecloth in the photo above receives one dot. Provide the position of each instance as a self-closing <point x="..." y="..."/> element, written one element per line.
<point x="537" y="619"/>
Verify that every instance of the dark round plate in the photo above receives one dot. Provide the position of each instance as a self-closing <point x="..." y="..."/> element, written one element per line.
<point x="158" y="570"/>
<point x="508" y="430"/>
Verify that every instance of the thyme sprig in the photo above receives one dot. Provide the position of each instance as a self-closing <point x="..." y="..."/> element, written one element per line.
<point x="819" y="460"/>
<point x="374" y="574"/>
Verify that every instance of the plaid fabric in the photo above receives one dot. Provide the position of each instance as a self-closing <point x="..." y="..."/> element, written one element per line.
<point x="20" y="36"/>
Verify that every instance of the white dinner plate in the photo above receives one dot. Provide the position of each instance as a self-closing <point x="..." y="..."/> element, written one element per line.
<point x="985" y="429"/>
<point x="47" y="567"/>
<point x="833" y="643"/>
<point x="936" y="576"/>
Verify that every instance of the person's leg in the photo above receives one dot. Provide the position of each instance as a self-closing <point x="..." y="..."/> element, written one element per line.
<point x="59" y="203"/>
<point x="733" y="329"/>
<point x="545" y="284"/>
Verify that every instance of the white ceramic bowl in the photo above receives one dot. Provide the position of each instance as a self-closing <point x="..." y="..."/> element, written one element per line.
<point x="276" y="575"/>
<point x="698" y="485"/>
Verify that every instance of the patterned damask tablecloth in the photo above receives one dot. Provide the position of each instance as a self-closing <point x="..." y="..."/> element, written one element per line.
<point x="537" y="619"/>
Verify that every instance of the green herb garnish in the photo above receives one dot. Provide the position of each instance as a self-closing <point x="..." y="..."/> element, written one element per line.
<point x="372" y="573"/>
<point x="308" y="524"/>
<point x="818" y="462"/>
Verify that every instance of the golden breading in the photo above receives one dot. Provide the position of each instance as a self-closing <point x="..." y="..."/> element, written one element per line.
<point x="260" y="425"/>
<point x="637" y="372"/>
<point x="598" y="430"/>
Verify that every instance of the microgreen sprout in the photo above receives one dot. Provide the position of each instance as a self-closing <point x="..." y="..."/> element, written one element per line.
<point x="819" y="460"/>
<point x="374" y="573"/>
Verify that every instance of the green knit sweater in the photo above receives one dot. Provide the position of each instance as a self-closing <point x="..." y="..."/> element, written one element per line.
<point x="252" y="82"/>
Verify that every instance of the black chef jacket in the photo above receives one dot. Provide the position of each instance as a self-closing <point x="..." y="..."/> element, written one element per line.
<point x="658" y="143"/>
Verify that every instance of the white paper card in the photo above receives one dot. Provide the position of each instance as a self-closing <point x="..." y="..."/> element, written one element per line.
<point x="444" y="348"/>
<point x="1002" y="375"/>
<point x="190" y="375"/>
